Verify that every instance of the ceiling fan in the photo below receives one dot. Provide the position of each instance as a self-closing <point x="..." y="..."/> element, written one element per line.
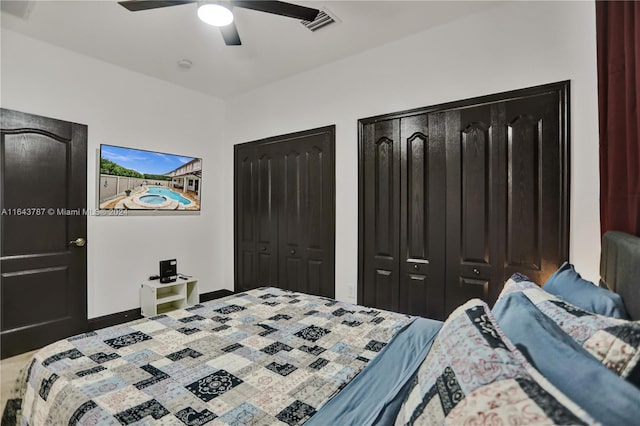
<point x="219" y="14"/>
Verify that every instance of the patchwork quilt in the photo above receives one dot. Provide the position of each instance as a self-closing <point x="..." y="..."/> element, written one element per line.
<point x="263" y="357"/>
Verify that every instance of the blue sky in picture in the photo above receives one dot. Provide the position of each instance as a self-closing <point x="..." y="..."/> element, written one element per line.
<point x="149" y="162"/>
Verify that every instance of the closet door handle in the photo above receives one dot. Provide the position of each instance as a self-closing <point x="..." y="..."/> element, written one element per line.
<point x="292" y="252"/>
<point x="263" y="249"/>
<point x="476" y="271"/>
<point x="416" y="267"/>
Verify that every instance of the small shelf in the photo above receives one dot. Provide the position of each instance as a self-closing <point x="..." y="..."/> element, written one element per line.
<point x="167" y="307"/>
<point x="169" y="298"/>
<point x="157" y="298"/>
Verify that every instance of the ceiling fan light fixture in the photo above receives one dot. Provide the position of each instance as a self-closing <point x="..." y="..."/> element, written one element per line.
<point x="216" y="14"/>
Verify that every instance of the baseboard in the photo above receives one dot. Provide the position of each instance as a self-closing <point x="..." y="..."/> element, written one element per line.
<point x="205" y="297"/>
<point x="134" y="314"/>
<point x="113" y="319"/>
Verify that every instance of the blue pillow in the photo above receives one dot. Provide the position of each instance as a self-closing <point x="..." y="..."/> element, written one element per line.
<point x="568" y="285"/>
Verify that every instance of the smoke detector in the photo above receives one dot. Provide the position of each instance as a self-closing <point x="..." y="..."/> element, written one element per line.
<point x="185" y="64"/>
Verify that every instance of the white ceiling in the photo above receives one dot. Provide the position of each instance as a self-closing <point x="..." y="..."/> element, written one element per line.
<point x="274" y="47"/>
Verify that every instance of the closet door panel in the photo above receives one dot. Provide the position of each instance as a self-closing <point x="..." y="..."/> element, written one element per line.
<point x="474" y="200"/>
<point x="381" y="164"/>
<point x="245" y="250"/>
<point x="415" y="179"/>
<point x="267" y="216"/>
<point x="523" y="194"/>
<point x="305" y="207"/>
<point x="292" y="220"/>
<point x="534" y="188"/>
<point x="474" y="186"/>
<point x="315" y="200"/>
<point x="422" y="216"/>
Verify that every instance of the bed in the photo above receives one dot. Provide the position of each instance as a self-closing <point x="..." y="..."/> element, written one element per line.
<point x="270" y="356"/>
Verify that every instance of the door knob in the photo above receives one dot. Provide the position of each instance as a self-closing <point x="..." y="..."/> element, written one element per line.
<point x="416" y="267"/>
<point x="292" y="252"/>
<point x="78" y="242"/>
<point x="264" y="249"/>
<point x="476" y="271"/>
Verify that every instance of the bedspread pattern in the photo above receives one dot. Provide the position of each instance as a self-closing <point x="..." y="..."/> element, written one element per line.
<point x="267" y="356"/>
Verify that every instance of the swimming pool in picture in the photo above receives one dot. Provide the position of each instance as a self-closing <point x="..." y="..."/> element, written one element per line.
<point x="153" y="199"/>
<point x="164" y="192"/>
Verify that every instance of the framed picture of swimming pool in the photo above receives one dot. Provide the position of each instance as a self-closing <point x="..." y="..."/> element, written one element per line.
<point x="136" y="179"/>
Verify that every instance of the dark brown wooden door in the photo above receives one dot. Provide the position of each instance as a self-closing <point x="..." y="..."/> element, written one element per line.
<point x="291" y="240"/>
<point x="306" y="205"/>
<point x="380" y="219"/>
<point x="404" y="216"/>
<point x="43" y="202"/>
<point x="422" y="217"/>
<point x="536" y="185"/>
<point x="475" y="203"/>
<point x="267" y="216"/>
<point x="256" y="217"/>
<point x="504" y="195"/>
<point x="455" y="198"/>
<point x="245" y="218"/>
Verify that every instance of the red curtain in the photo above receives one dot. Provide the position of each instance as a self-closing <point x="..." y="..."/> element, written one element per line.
<point x="618" y="41"/>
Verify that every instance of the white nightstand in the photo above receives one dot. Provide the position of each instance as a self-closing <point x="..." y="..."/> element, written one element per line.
<point x="157" y="298"/>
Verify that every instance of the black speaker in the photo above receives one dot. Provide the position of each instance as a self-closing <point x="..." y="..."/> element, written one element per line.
<point x="168" y="271"/>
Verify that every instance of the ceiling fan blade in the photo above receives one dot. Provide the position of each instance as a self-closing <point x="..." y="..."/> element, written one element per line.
<point x="279" y="8"/>
<point x="136" y="5"/>
<point x="230" y="35"/>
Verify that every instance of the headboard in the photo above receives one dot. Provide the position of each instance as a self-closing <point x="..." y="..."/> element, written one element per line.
<point x="620" y="268"/>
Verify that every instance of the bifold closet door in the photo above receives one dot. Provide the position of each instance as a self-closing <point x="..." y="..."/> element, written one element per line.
<point x="537" y="197"/>
<point x="285" y="212"/>
<point x="305" y="239"/>
<point x="266" y="218"/>
<point x="505" y="189"/>
<point x="245" y="168"/>
<point x="256" y="217"/>
<point x="422" y="216"/>
<point x="404" y="217"/>
<point x="380" y="214"/>
<point x="457" y="197"/>
<point x="475" y="203"/>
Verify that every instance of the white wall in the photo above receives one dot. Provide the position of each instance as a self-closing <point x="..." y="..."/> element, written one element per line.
<point x="518" y="44"/>
<point x="124" y="108"/>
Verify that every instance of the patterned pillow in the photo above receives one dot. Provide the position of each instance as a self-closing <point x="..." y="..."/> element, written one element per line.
<point x="516" y="283"/>
<point x="614" y="342"/>
<point x="474" y="375"/>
